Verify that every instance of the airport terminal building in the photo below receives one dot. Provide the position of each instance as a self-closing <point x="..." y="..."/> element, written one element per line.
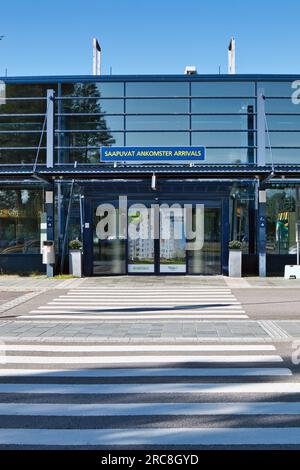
<point x="228" y="142"/>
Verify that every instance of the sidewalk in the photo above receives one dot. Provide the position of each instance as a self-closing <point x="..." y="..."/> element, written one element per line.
<point x="41" y="283"/>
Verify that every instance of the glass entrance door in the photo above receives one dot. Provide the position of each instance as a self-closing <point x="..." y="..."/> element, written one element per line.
<point x="172" y="243"/>
<point x="207" y="260"/>
<point x="109" y="250"/>
<point x="141" y="258"/>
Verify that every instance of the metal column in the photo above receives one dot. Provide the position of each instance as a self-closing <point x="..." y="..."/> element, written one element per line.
<point x="262" y="197"/>
<point x="49" y="207"/>
<point x="50" y="129"/>
<point x="261" y="194"/>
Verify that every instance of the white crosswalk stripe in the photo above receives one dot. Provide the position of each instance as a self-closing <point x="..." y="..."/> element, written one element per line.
<point x="138" y="303"/>
<point x="100" y="395"/>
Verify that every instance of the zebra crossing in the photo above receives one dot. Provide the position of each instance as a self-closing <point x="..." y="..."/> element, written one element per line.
<point x="99" y="395"/>
<point x="140" y="303"/>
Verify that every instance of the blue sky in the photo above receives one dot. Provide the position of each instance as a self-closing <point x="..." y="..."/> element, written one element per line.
<point x="44" y="37"/>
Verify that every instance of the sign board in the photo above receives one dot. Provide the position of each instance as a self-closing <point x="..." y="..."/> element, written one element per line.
<point x="152" y="154"/>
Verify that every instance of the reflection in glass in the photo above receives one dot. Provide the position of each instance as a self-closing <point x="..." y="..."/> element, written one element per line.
<point x="284" y="156"/>
<point x="219" y="122"/>
<point x="223" y="89"/>
<point x="109" y="256"/>
<point x="284" y="139"/>
<point x="85" y="140"/>
<point x="282" y="212"/>
<point x="281" y="122"/>
<point x="172" y="241"/>
<point x="104" y="89"/>
<point x="92" y="106"/>
<point x="221" y="139"/>
<point x="140" y="242"/>
<point x="158" y="122"/>
<point x="93" y="123"/>
<point x="277" y="89"/>
<point x="157" y="89"/>
<point x="20" y="221"/>
<point x="222" y="155"/>
<point x="208" y="259"/>
<point x="283" y="106"/>
<point x="152" y="139"/>
<point x="221" y="106"/>
<point x="157" y="106"/>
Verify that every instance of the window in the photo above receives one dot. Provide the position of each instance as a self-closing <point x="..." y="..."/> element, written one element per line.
<point x="157" y="106"/>
<point x="152" y="139"/>
<point x="157" y="89"/>
<point x="20" y="221"/>
<point x="219" y="122"/>
<point x="92" y="106"/>
<point x="223" y="89"/>
<point x="221" y="139"/>
<point x="276" y="89"/>
<point x="101" y="89"/>
<point x="281" y="212"/>
<point x="157" y="122"/>
<point x="222" y="106"/>
<point x="92" y="123"/>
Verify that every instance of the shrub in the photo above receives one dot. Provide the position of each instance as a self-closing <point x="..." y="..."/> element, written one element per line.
<point x="75" y="245"/>
<point x="235" y="245"/>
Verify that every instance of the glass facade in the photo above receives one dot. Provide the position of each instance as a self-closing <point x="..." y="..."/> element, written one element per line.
<point x="21" y="221"/>
<point x="219" y="113"/>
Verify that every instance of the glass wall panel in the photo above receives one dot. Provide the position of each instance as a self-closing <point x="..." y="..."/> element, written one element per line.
<point x="140" y="241"/>
<point x="103" y="89"/>
<point x="109" y="255"/>
<point x="284" y="156"/>
<point x="221" y="106"/>
<point x="277" y="89"/>
<point x="16" y="123"/>
<point x="90" y="139"/>
<point x="282" y="212"/>
<point x="20" y="221"/>
<point x="157" y="106"/>
<point x="283" y="106"/>
<point x="219" y="122"/>
<point x="239" y="215"/>
<point x="31" y="90"/>
<point x="21" y="156"/>
<point x="157" y="122"/>
<point x="221" y="139"/>
<point x="92" y="106"/>
<point x="223" y="89"/>
<point x="33" y="106"/>
<point x="115" y="123"/>
<point x="71" y="155"/>
<point x="20" y="140"/>
<point x="208" y="259"/>
<point x="281" y="122"/>
<point x="157" y="89"/>
<point x="152" y="139"/>
<point x="285" y="139"/>
<point x="224" y="156"/>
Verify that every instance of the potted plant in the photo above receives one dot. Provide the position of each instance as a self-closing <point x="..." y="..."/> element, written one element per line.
<point x="75" y="258"/>
<point x="235" y="258"/>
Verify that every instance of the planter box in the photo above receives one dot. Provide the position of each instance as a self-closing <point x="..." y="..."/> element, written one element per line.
<point x="75" y="263"/>
<point x="235" y="263"/>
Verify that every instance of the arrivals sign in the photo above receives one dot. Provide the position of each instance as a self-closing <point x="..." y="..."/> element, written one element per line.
<point x="152" y="154"/>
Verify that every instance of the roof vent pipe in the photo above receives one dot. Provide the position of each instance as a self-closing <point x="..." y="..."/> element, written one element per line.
<point x="190" y="70"/>
<point x="96" y="57"/>
<point x="231" y="57"/>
